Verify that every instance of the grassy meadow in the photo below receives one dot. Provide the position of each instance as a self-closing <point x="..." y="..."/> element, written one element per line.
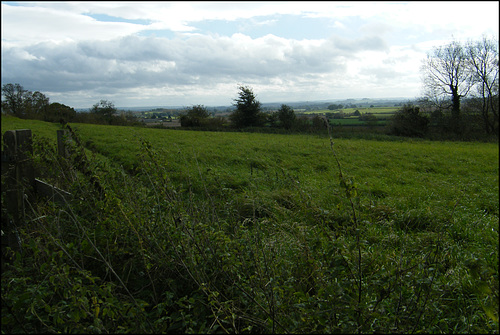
<point x="362" y="110"/>
<point x="222" y="232"/>
<point x="381" y="113"/>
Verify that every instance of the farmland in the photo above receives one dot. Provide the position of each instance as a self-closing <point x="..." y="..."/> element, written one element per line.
<point x="363" y="110"/>
<point x="245" y="232"/>
<point x="354" y="116"/>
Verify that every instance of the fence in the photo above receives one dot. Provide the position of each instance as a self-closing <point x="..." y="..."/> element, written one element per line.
<point x="19" y="181"/>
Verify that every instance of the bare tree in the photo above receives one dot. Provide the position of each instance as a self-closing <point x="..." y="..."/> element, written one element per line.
<point x="446" y="73"/>
<point x="483" y="62"/>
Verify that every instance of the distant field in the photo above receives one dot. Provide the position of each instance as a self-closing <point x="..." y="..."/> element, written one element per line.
<point x="347" y="122"/>
<point x="383" y="113"/>
<point x="365" y="110"/>
<point x="374" y="110"/>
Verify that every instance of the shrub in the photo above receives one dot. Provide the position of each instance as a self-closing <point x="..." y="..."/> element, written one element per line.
<point x="194" y="117"/>
<point x="409" y="122"/>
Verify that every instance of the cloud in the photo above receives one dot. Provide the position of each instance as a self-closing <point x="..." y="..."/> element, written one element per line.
<point x="23" y="26"/>
<point x="194" y="59"/>
<point x="185" y="51"/>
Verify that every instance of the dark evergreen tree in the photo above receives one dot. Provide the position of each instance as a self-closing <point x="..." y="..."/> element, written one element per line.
<point x="248" y="110"/>
<point x="287" y="117"/>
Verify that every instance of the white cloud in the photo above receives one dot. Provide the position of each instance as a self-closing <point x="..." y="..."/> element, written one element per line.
<point x="29" y="25"/>
<point x="371" y="48"/>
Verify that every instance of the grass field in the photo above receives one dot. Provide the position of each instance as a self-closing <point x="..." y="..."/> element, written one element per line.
<point x="354" y="121"/>
<point x="382" y="113"/>
<point x="245" y="232"/>
<point x="363" y="110"/>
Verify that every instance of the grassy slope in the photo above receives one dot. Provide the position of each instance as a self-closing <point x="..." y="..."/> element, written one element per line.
<point x="38" y="127"/>
<point x="410" y="194"/>
<point x="415" y="170"/>
<point x="403" y="174"/>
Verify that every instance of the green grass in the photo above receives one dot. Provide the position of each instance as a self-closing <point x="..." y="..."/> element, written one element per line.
<point x="411" y="168"/>
<point x="256" y="232"/>
<point x="382" y="113"/>
<point x="354" y="121"/>
<point x="363" y="110"/>
<point x="373" y="110"/>
<point x="40" y="128"/>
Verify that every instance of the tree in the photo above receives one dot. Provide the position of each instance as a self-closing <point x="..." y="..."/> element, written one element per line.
<point x="335" y="106"/>
<point x="104" y="109"/>
<point x="198" y="111"/>
<point x="446" y="72"/>
<point x="24" y="103"/>
<point x="194" y="116"/>
<point x="273" y="119"/>
<point x="35" y="104"/>
<point x="14" y="98"/>
<point x="57" y="112"/>
<point x="483" y="62"/>
<point x="248" y="112"/>
<point x="286" y="116"/>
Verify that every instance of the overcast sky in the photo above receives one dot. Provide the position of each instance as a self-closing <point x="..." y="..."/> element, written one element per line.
<point x="190" y="53"/>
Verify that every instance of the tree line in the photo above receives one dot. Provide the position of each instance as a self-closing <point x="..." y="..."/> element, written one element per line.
<point x="248" y="114"/>
<point x="32" y="105"/>
<point x="26" y="104"/>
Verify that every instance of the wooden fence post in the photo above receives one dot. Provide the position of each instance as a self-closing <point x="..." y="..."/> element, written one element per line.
<point x="19" y="180"/>
<point x="62" y="139"/>
<point x="12" y="195"/>
<point x="20" y="176"/>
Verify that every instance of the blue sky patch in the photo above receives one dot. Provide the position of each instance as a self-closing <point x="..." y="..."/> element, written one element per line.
<point x="286" y="26"/>
<point x="108" y="18"/>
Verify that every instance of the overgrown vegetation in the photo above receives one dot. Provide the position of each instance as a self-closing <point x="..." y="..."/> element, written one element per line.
<point x="203" y="232"/>
<point x="409" y="122"/>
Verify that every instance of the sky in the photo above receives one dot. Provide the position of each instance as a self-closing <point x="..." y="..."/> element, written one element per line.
<point x="198" y="53"/>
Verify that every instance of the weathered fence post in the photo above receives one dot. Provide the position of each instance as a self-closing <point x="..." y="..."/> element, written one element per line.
<point x="19" y="180"/>
<point x="62" y="140"/>
<point x="20" y="176"/>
